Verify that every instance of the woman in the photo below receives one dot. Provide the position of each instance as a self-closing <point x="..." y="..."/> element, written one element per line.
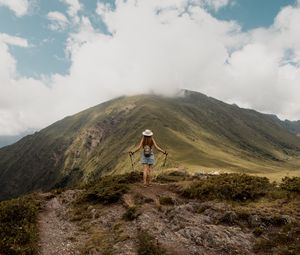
<point x="147" y="158"/>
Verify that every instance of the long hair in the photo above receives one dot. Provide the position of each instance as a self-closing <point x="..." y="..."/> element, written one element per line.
<point x="147" y="140"/>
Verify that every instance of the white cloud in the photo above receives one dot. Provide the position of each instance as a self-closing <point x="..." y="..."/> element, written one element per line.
<point x="216" y="4"/>
<point x="18" y="95"/>
<point x="103" y="8"/>
<point x="74" y="7"/>
<point x="7" y="62"/>
<point x="13" y="40"/>
<point x="19" y="7"/>
<point x="160" y="46"/>
<point x="59" y="21"/>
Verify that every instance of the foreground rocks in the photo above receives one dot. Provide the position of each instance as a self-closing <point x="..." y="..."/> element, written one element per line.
<point x="177" y="225"/>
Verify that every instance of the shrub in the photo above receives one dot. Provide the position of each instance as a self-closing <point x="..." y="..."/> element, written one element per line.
<point x="18" y="230"/>
<point x="165" y="200"/>
<point x="263" y="245"/>
<point x="173" y="176"/>
<point x="291" y="184"/>
<point x="236" y="187"/>
<point x="131" y="214"/>
<point x="282" y="242"/>
<point x="147" y="245"/>
<point x="111" y="188"/>
<point x="258" y="231"/>
<point x="139" y="199"/>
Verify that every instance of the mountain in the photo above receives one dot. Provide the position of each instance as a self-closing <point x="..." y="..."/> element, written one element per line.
<point x="199" y="132"/>
<point x="293" y="126"/>
<point x="7" y="140"/>
<point x="10" y="139"/>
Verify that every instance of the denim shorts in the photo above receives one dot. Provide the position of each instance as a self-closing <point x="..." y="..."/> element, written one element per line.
<point x="148" y="160"/>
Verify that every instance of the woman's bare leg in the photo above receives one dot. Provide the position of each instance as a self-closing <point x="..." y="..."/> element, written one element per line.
<point x="149" y="173"/>
<point x="145" y="166"/>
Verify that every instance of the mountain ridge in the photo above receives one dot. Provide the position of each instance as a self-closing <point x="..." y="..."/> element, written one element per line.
<point x="200" y="132"/>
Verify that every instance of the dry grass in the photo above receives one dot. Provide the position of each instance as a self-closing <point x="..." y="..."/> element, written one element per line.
<point x="18" y="228"/>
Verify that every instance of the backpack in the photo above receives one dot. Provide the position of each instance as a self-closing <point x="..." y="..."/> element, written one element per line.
<point x="147" y="151"/>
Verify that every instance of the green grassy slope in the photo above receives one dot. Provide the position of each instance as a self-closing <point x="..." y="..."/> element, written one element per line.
<point x="200" y="133"/>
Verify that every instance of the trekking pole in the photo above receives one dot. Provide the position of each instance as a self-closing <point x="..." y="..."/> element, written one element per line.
<point x="164" y="164"/>
<point x="157" y="169"/>
<point x="132" y="163"/>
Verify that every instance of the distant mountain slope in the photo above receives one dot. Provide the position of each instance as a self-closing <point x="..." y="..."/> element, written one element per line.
<point x="10" y="139"/>
<point x="293" y="126"/>
<point x="7" y="140"/>
<point x="199" y="132"/>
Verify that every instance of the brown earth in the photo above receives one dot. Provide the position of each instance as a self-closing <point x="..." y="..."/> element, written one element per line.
<point x="58" y="235"/>
<point x="179" y="225"/>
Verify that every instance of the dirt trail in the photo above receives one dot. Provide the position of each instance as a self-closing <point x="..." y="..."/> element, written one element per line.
<point x="102" y="229"/>
<point x="57" y="234"/>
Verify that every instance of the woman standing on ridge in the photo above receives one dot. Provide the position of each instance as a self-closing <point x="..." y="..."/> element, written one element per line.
<point x="147" y="158"/>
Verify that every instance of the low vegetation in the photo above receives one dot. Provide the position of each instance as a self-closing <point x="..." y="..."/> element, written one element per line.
<point x="110" y="189"/>
<point x="236" y="187"/>
<point x="269" y="211"/>
<point x="148" y="246"/>
<point x="131" y="214"/>
<point x="173" y="176"/>
<point x="166" y="200"/>
<point x="284" y="241"/>
<point x="98" y="243"/>
<point x="291" y="184"/>
<point x="18" y="229"/>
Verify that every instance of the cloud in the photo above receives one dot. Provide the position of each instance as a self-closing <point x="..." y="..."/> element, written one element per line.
<point x="13" y="40"/>
<point x="216" y="4"/>
<point x="103" y="8"/>
<point x="17" y="106"/>
<point x="73" y="7"/>
<point x="265" y="72"/>
<point x="7" y="62"/>
<point x="59" y="21"/>
<point x="19" y="7"/>
<point x="159" y="46"/>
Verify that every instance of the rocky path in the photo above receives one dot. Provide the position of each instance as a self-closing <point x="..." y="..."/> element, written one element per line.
<point x="181" y="226"/>
<point x="57" y="234"/>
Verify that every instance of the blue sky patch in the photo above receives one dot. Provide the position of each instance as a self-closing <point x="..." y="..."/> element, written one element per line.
<point x="46" y="54"/>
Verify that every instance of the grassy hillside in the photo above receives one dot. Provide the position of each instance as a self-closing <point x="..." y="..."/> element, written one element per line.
<point x="199" y="132"/>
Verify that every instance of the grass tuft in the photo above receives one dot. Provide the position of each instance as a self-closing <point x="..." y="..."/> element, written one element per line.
<point x="166" y="200"/>
<point x="111" y="188"/>
<point x="18" y="229"/>
<point x="131" y="214"/>
<point x="148" y="246"/>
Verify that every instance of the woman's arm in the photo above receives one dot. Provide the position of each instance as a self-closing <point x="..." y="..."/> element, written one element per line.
<point x="157" y="147"/>
<point x="139" y="147"/>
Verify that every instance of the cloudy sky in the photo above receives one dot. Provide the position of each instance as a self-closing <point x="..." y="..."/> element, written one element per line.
<point x="61" y="56"/>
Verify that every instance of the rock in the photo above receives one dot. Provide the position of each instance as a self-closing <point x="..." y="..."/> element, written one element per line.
<point x="229" y="218"/>
<point x="288" y="219"/>
<point x="254" y="221"/>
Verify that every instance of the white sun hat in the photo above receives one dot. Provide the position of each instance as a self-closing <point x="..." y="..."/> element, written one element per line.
<point x="147" y="132"/>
